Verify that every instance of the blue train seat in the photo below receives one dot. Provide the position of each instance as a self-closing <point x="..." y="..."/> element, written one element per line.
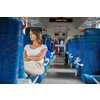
<point x="90" y="51"/>
<point x="66" y="55"/>
<point x="11" y="60"/>
<point x="50" y="52"/>
<point x="69" y="49"/>
<point x="76" y="52"/>
<point x="27" y="40"/>
<point x="46" y="62"/>
<point x="71" y="58"/>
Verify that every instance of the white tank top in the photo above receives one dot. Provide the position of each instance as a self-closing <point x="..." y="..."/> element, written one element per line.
<point x="34" y="52"/>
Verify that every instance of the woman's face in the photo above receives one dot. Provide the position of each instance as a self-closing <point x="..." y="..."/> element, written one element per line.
<point x="32" y="36"/>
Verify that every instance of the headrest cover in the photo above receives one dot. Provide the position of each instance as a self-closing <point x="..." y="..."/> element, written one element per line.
<point x="76" y="38"/>
<point x="92" y="35"/>
<point x="3" y="25"/>
<point x="27" y="30"/>
<point x="92" y="32"/>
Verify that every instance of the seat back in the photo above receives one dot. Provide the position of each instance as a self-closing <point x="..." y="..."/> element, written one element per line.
<point x="48" y="41"/>
<point x="77" y="46"/>
<point x="73" y="46"/>
<point x="10" y="48"/>
<point x="69" y="48"/>
<point x="90" y="51"/>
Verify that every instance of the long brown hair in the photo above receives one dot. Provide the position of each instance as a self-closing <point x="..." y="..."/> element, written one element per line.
<point x="38" y="34"/>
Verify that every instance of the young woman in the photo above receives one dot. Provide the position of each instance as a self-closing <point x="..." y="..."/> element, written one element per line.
<point x="34" y="54"/>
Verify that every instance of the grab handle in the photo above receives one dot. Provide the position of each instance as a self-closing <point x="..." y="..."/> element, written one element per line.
<point x="51" y="38"/>
<point x="46" y="33"/>
<point x="25" y="23"/>
<point x="68" y="40"/>
<point x="79" y="34"/>
<point x="71" y="38"/>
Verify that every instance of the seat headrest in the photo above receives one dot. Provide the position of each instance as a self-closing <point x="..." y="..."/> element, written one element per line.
<point x="76" y="38"/>
<point x="27" y="30"/>
<point x="92" y="32"/>
<point x="3" y="25"/>
<point x="92" y="35"/>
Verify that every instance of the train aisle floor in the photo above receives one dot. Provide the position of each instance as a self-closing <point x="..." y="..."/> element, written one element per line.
<point x="59" y="73"/>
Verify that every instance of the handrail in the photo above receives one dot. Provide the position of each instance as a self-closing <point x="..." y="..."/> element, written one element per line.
<point x="80" y="33"/>
<point x="71" y="38"/>
<point x="68" y="40"/>
<point x="51" y="38"/>
<point x="46" y="33"/>
<point x="25" y="22"/>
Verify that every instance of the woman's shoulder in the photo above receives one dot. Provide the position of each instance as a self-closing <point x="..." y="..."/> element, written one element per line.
<point x="43" y="46"/>
<point x="26" y="46"/>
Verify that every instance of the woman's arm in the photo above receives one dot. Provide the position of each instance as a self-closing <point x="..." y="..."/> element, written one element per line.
<point x="25" y="55"/>
<point x="39" y="57"/>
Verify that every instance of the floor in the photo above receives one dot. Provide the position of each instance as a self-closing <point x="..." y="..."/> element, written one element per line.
<point x="60" y="73"/>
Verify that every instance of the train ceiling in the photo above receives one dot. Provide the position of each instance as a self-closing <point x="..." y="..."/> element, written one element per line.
<point x="35" y="22"/>
<point x="89" y="22"/>
<point x="85" y="22"/>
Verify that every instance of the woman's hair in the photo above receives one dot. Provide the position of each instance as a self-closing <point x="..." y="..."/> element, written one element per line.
<point x="38" y="34"/>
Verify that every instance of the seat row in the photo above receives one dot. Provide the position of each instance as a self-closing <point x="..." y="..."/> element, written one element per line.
<point x="12" y="41"/>
<point x="83" y="52"/>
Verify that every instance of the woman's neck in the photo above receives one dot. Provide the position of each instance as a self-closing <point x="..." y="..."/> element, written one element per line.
<point x="35" y="43"/>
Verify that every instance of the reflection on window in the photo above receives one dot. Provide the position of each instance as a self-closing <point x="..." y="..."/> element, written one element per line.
<point x="98" y="25"/>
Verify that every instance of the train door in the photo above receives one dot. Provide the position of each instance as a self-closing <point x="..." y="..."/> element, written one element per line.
<point x="61" y="42"/>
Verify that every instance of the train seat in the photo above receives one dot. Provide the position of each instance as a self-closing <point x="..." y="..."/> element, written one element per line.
<point x="11" y="65"/>
<point x="72" y="52"/>
<point x="66" y="60"/>
<point x="49" y="53"/>
<point x="90" y="51"/>
<point x="69" y="49"/>
<point x="46" y="61"/>
<point x="89" y="79"/>
<point x="76" y="52"/>
<point x="48" y="58"/>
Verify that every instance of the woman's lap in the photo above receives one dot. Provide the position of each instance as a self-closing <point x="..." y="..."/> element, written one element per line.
<point x="33" y="68"/>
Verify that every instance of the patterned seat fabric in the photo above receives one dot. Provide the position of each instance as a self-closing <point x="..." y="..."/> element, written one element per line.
<point x="78" y="53"/>
<point x="11" y="62"/>
<point x="73" y="50"/>
<point x="76" y="47"/>
<point x="69" y="48"/>
<point x="90" y="57"/>
<point x="90" y="51"/>
<point x="52" y="47"/>
<point x="88" y="79"/>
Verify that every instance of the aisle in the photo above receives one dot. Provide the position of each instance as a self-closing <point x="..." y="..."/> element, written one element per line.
<point x="58" y="73"/>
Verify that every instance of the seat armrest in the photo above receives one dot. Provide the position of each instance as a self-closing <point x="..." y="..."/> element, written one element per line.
<point x="47" y="59"/>
<point x="80" y="64"/>
<point x="67" y="52"/>
<point x="71" y="56"/>
<point x="29" y="80"/>
<point x="45" y="63"/>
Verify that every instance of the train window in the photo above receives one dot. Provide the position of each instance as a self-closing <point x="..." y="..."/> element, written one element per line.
<point x="63" y="34"/>
<point x="98" y="25"/>
<point x="56" y="34"/>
